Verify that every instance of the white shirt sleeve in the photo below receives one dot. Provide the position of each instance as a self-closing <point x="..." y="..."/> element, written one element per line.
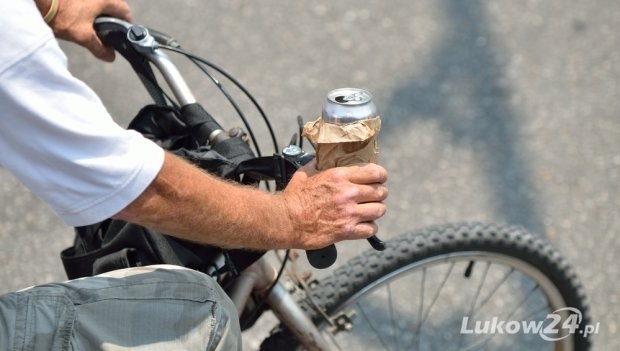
<point x="55" y="134"/>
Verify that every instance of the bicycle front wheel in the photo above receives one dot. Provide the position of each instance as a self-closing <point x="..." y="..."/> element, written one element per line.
<point x="463" y="286"/>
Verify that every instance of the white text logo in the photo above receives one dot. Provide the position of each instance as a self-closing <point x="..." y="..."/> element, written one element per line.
<point x="554" y="331"/>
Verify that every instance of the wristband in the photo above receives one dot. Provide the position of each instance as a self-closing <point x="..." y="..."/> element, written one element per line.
<point x="51" y="13"/>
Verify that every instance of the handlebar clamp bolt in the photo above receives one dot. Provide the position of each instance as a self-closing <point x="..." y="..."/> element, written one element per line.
<point x="292" y="151"/>
<point x="138" y="32"/>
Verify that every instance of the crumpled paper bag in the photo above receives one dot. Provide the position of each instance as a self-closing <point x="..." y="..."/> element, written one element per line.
<point x="344" y="144"/>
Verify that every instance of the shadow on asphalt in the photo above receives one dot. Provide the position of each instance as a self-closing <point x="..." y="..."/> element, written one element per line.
<point x="464" y="89"/>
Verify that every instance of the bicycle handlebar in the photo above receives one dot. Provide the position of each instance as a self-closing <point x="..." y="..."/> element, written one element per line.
<point x="146" y="41"/>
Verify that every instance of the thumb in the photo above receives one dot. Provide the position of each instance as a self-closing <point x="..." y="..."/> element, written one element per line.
<point x="310" y="168"/>
<point x="96" y="47"/>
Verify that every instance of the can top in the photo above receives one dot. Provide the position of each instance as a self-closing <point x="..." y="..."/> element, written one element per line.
<point x="348" y="105"/>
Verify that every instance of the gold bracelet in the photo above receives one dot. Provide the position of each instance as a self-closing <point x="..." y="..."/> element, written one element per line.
<point x="51" y="13"/>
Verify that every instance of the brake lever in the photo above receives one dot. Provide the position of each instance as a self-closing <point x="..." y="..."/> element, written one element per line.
<point x="376" y="243"/>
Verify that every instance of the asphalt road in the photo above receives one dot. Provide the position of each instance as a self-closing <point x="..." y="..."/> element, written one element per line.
<point x="503" y="111"/>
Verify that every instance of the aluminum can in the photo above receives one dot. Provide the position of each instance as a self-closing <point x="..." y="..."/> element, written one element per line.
<point x="343" y="108"/>
<point x="348" y="105"/>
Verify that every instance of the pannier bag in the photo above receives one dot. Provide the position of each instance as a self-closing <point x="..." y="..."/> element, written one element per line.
<point x="115" y="244"/>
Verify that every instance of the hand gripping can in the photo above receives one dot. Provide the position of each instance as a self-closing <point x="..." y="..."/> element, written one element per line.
<point x="346" y="133"/>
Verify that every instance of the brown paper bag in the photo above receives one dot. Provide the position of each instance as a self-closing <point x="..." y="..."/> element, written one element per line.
<point x="341" y="145"/>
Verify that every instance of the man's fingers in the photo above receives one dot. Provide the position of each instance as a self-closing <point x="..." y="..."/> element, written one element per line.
<point x="371" y="193"/>
<point x="367" y="173"/>
<point x="365" y="230"/>
<point x="117" y="8"/>
<point x="114" y="8"/>
<point x="366" y="215"/>
<point x="96" y="47"/>
<point x="370" y="212"/>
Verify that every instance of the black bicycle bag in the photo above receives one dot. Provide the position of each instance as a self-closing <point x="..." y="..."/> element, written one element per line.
<point x="115" y="244"/>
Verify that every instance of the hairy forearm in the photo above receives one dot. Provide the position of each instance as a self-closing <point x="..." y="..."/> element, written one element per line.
<point x="316" y="208"/>
<point x="185" y="202"/>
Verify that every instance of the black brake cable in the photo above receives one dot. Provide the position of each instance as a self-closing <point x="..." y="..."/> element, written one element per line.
<point x="223" y="90"/>
<point x="199" y="61"/>
<point x="232" y="102"/>
<point x="154" y="85"/>
<point x="262" y="302"/>
<point x="170" y="100"/>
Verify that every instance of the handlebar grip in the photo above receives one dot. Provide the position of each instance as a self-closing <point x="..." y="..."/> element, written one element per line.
<point x="202" y="123"/>
<point x="105" y="25"/>
<point x="322" y="258"/>
<point x="325" y="257"/>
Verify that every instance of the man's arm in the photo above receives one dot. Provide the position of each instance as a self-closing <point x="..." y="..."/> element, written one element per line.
<point x="315" y="210"/>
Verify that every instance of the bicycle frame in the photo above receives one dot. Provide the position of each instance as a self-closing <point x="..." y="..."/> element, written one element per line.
<point x="261" y="276"/>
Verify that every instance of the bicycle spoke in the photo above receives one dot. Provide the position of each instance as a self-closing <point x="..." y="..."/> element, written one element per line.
<point x="475" y="346"/>
<point x="523" y="301"/>
<point x="479" y="289"/>
<point x="494" y="290"/>
<point x="419" y="326"/>
<point x="536" y="311"/>
<point x="485" y="341"/>
<point x="443" y="282"/>
<point x="394" y="326"/>
<point x="475" y="299"/>
<point x="372" y="327"/>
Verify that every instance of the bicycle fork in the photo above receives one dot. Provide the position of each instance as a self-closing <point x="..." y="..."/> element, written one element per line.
<point x="258" y="278"/>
